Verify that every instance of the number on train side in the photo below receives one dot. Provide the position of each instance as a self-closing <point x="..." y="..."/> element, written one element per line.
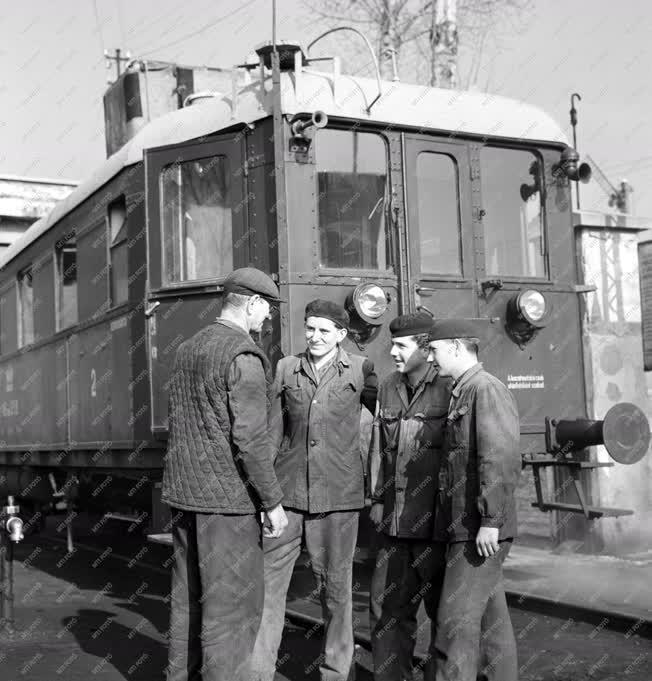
<point x="93" y="383"/>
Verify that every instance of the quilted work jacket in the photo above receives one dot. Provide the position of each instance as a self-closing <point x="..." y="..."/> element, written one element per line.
<point x="319" y="463"/>
<point x="407" y="451"/>
<point x="220" y="456"/>
<point x="483" y="460"/>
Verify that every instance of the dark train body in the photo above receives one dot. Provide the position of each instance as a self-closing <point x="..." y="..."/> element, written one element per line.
<point x="452" y="201"/>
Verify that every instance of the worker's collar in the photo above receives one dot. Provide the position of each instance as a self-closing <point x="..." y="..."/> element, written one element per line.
<point x="341" y="359"/>
<point x="464" y="378"/>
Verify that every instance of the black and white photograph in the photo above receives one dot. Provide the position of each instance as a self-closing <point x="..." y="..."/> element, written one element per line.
<point x="325" y="340"/>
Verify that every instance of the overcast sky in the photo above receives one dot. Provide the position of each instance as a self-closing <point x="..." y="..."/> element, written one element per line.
<point x="54" y="75"/>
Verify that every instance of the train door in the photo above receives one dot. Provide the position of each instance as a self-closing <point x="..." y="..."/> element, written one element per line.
<point x="197" y="233"/>
<point x="442" y="257"/>
<point x="529" y="270"/>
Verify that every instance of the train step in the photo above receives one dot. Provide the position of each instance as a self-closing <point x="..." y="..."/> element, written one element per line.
<point x="592" y="511"/>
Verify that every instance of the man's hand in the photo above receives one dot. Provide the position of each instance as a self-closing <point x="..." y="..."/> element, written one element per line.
<point x="274" y="521"/>
<point x="376" y="514"/>
<point x="486" y="541"/>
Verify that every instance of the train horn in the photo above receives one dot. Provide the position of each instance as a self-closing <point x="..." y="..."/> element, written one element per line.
<point x="571" y="167"/>
<point x="318" y="119"/>
<point x="624" y="432"/>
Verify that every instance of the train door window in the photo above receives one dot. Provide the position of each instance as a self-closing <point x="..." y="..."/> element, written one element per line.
<point x="66" y="259"/>
<point x="513" y="221"/>
<point x="352" y="189"/>
<point x="118" y="263"/>
<point x="197" y="220"/>
<point x="438" y="205"/>
<point x="26" y="307"/>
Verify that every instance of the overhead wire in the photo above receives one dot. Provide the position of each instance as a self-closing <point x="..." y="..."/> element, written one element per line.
<point x="198" y="31"/>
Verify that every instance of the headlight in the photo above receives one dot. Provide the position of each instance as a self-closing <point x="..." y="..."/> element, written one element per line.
<point x="371" y="299"/>
<point x="527" y="313"/>
<point x="532" y="305"/>
<point x="368" y="302"/>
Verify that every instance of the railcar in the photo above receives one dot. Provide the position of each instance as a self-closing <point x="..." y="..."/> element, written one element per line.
<point x="386" y="197"/>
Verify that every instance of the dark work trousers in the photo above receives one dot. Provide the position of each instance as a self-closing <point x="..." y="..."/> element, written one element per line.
<point x="330" y="540"/>
<point x="473" y="616"/>
<point x="216" y="598"/>
<point x="407" y="571"/>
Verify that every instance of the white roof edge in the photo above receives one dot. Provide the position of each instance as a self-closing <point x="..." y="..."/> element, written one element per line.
<point x="400" y="105"/>
<point x="38" y="180"/>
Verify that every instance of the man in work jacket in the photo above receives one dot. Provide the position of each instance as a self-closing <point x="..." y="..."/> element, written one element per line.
<point x="476" y="513"/>
<point x="405" y="458"/>
<point x="218" y="476"/>
<point x="319" y="395"/>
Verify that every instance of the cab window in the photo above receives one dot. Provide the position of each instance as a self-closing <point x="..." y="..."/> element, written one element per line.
<point x="197" y="220"/>
<point x="513" y="220"/>
<point x="439" y="214"/>
<point x="351" y="200"/>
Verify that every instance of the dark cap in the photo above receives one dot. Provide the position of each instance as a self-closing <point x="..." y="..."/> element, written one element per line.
<point x="441" y="329"/>
<point x="410" y="324"/>
<point x="248" y="281"/>
<point x="328" y="310"/>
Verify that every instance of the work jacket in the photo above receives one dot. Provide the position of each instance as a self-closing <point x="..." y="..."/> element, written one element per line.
<point x="483" y="461"/>
<point x="317" y="429"/>
<point x="220" y="454"/>
<point x="407" y="451"/>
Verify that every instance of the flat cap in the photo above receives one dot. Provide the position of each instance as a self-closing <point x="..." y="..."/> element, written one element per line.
<point x="328" y="310"/>
<point x="410" y="324"/>
<point x="249" y="281"/>
<point x="441" y="329"/>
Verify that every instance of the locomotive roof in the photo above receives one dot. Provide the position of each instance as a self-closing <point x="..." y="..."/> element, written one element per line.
<point x="344" y="96"/>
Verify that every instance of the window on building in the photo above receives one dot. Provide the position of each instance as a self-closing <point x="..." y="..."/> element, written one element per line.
<point x="438" y="205"/>
<point x="118" y="255"/>
<point x="66" y="284"/>
<point x="26" y="307"/>
<point x="197" y="220"/>
<point x="514" y="236"/>
<point x="351" y="200"/>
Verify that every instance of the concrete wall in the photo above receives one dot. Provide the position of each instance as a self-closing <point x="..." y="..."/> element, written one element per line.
<point x="614" y="369"/>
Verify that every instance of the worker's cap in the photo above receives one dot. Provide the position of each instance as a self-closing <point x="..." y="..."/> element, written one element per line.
<point x="410" y="324"/>
<point x="248" y="281"/>
<point x="327" y="309"/>
<point x="441" y="329"/>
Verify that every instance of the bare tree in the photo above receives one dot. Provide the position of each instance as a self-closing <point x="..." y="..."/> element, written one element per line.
<point x="424" y="31"/>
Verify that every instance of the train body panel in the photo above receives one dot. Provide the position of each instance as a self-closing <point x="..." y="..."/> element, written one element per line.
<point x="459" y="212"/>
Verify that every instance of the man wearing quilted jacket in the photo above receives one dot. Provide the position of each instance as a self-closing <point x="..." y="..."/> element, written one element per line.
<point x="218" y="477"/>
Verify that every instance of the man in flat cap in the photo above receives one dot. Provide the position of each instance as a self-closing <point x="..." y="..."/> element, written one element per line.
<point x="218" y="477"/>
<point x="476" y="514"/>
<point x="319" y="393"/>
<point x="405" y="457"/>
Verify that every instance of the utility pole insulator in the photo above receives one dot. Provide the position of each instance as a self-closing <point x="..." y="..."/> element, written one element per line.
<point x="117" y="58"/>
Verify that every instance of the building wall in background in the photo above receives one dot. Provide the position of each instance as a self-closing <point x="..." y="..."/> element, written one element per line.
<point x="607" y="247"/>
<point x="23" y="200"/>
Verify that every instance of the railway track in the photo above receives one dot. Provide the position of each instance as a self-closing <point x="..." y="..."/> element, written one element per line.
<point x="116" y="584"/>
